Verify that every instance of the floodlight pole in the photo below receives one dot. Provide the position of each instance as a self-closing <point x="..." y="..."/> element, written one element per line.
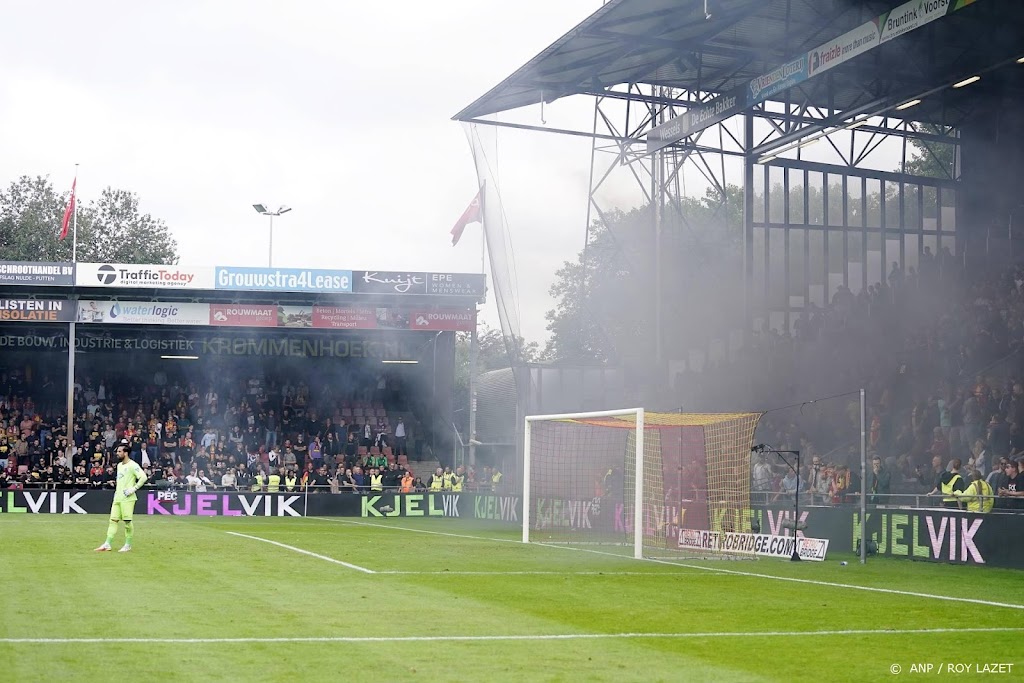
<point x="263" y="210"/>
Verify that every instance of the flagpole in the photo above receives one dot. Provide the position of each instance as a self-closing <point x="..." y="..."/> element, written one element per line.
<point x="74" y="223"/>
<point x="70" y="426"/>
<point x="474" y="338"/>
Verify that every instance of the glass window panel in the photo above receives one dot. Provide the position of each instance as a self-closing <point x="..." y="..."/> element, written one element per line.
<point x="776" y="267"/>
<point x="835" y="200"/>
<point x="757" y="258"/>
<point x="836" y="260"/>
<point x="875" y="262"/>
<point x="930" y="218"/>
<point x="948" y="208"/>
<point x="758" y="211"/>
<point x="815" y="200"/>
<point x="892" y="255"/>
<point x="816" y="254"/>
<point x="949" y="242"/>
<point x="911" y="250"/>
<point x="796" y="197"/>
<point x="776" y="195"/>
<point x="911" y="209"/>
<point x="891" y="192"/>
<point x="874" y="217"/>
<point x="854" y="201"/>
<point x="796" y="263"/>
<point x="855" y="247"/>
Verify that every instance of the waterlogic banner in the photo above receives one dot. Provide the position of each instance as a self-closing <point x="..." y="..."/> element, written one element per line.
<point x="143" y="313"/>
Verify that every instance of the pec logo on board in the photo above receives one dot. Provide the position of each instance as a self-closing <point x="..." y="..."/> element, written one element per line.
<point x="106" y="274"/>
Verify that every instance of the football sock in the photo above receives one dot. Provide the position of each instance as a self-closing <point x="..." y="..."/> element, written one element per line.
<point x="111" y="530"/>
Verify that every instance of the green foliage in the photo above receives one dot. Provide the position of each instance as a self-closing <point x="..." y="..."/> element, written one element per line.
<point x="110" y="227"/>
<point x="604" y="305"/>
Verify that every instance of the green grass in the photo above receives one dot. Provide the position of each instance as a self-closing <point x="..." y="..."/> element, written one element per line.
<point x="190" y="579"/>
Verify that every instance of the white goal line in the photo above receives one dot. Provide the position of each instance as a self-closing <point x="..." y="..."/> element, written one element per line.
<point x="527" y="637"/>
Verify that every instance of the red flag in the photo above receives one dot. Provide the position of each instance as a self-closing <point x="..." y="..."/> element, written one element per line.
<point x="68" y="212"/>
<point x="472" y="214"/>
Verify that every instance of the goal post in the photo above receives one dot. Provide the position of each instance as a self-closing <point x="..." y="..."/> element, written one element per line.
<point x="630" y="479"/>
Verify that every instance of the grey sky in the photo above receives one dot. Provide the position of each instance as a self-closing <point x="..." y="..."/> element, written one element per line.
<point x="340" y="110"/>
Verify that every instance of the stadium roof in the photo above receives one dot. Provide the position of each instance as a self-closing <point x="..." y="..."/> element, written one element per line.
<point x="672" y="43"/>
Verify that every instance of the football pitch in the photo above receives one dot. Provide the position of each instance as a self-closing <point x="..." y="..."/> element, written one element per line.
<point x="442" y="600"/>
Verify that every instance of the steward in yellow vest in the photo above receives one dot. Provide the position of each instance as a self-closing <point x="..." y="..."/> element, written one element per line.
<point x="376" y="481"/>
<point x="258" y="481"/>
<point x="274" y="483"/>
<point x="437" y="480"/>
<point x="950" y="484"/>
<point x="458" y="479"/>
<point x="978" y="494"/>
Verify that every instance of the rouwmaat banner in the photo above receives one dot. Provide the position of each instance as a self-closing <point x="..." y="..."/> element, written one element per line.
<point x="506" y="508"/>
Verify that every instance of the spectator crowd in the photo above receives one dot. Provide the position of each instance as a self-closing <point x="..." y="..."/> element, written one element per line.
<point x="940" y="353"/>
<point x="234" y="434"/>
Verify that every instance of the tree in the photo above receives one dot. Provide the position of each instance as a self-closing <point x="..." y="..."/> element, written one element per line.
<point x="110" y="228"/>
<point x="931" y="159"/>
<point x="605" y="299"/>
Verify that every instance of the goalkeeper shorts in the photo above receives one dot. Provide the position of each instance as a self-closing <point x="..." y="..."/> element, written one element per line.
<point x="122" y="510"/>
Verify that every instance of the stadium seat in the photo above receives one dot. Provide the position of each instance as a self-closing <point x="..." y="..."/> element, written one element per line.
<point x="403" y="460"/>
<point x="346" y="412"/>
<point x="387" y="451"/>
<point x="391" y="458"/>
<point x="361" y="451"/>
<point x="374" y="450"/>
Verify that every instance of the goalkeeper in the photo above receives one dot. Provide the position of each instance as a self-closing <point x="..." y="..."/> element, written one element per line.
<point x="130" y="478"/>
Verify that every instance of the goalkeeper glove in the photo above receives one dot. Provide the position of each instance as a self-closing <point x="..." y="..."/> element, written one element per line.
<point x="128" y="491"/>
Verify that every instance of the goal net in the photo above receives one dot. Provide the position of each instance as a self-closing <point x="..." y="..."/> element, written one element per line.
<point x="631" y="481"/>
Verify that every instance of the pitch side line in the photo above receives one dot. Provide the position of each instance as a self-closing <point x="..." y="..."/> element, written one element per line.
<point x="710" y="570"/>
<point x="529" y="573"/>
<point x="535" y="637"/>
<point x="304" y="552"/>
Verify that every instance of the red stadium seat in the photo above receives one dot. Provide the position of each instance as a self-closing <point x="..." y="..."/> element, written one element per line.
<point x="361" y="451"/>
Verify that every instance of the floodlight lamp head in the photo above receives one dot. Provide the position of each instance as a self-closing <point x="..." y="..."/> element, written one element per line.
<point x="259" y="208"/>
<point x="284" y="209"/>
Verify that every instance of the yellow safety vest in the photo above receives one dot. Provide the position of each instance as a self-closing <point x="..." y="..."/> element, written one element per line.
<point x="457" y="483"/>
<point x="446" y="480"/>
<point x="257" y="483"/>
<point x="495" y="480"/>
<point x="289" y="483"/>
<point x="273" y="483"/>
<point x="376" y="482"/>
<point x="436" y="483"/>
<point x="975" y="504"/>
<point x="947" y="489"/>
